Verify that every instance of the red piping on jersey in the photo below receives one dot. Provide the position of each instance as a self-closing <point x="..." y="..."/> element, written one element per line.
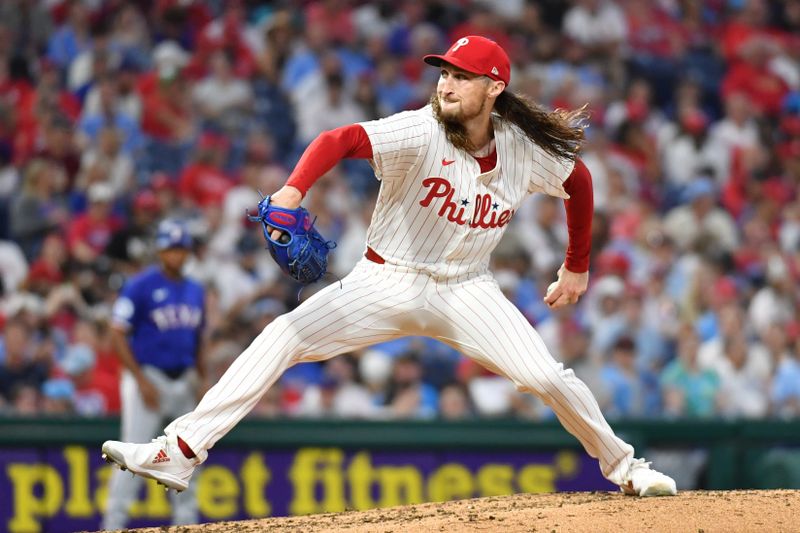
<point x="326" y="151"/>
<point x="373" y="256"/>
<point x="580" y="208"/>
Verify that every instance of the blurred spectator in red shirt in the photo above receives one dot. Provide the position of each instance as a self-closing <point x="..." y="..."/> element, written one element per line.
<point x="337" y="18"/>
<point x="423" y="39"/>
<point x="47" y="270"/>
<point x="14" y="90"/>
<point x="104" y="376"/>
<point x="204" y="183"/>
<point x="167" y="114"/>
<point x="231" y="35"/>
<point x="652" y="31"/>
<point x="753" y="77"/>
<point x="60" y="147"/>
<point x="168" y="56"/>
<point x="108" y="368"/>
<point x="749" y="21"/>
<point x="89" y="233"/>
<point x="166" y="192"/>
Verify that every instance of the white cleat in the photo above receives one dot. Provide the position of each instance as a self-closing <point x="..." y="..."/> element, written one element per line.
<point x="644" y="481"/>
<point x="160" y="459"/>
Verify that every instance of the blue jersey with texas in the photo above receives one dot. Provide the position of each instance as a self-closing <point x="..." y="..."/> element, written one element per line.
<point x="163" y="317"/>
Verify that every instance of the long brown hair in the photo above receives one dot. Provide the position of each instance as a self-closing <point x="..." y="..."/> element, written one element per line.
<point x="559" y="132"/>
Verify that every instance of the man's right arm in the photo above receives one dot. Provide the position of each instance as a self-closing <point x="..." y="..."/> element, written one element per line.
<point x="322" y="154"/>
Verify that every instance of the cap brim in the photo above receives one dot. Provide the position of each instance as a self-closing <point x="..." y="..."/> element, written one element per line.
<point x="437" y="60"/>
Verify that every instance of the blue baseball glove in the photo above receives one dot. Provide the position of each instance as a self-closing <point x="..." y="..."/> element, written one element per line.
<point x="301" y="251"/>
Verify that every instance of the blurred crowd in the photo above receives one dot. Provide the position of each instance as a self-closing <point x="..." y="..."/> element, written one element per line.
<point x="117" y="113"/>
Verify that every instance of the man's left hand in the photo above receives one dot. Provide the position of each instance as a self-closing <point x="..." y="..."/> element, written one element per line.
<point x="568" y="289"/>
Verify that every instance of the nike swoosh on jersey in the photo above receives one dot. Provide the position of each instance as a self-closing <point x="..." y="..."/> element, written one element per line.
<point x="445" y="162"/>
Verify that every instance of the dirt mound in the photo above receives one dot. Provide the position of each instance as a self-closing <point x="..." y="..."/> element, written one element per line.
<point x="694" y="511"/>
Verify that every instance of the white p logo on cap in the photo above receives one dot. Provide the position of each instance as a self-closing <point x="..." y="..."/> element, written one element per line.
<point x="459" y="43"/>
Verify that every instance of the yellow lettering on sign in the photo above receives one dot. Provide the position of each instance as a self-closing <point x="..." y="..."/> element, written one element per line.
<point x="537" y="478"/>
<point x="320" y="482"/>
<point x="217" y="492"/>
<point x="103" y="476"/>
<point x="360" y="478"/>
<point x="313" y="466"/>
<point x="155" y="503"/>
<point x="79" y="503"/>
<point x="255" y="477"/>
<point x="400" y="485"/>
<point x="495" y="480"/>
<point x="450" y="482"/>
<point x="27" y="506"/>
<point x="568" y="464"/>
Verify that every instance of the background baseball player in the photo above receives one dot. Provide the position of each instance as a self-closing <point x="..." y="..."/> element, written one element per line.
<point x="158" y="322"/>
<point x="452" y="175"/>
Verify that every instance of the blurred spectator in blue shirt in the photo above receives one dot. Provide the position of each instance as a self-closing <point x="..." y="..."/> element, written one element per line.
<point x="785" y="393"/>
<point x="19" y="367"/>
<point x="623" y="380"/>
<point x="72" y="37"/>
<point x="688" y="389"/>
<point x="407" y="395"/>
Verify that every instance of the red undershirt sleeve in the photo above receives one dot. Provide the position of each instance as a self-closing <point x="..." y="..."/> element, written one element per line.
<point x="580" y="208"/>
<point x="326" y="151"/>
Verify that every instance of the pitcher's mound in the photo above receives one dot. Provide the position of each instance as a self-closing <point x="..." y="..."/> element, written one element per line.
<point x="693" y="511"/>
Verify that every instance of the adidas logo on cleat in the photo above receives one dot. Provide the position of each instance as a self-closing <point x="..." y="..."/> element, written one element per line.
<point x="161" y="457"/>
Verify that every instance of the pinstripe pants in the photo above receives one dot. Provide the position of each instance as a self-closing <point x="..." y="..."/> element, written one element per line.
<point x="377" y="303"/>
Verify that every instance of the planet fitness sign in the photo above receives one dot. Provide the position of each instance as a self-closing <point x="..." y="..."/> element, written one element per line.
<point x="64" y="489"/>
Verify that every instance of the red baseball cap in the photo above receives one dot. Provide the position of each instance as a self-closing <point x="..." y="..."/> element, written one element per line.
<point x="478" y="55"/>
<point x="145" y="200"/>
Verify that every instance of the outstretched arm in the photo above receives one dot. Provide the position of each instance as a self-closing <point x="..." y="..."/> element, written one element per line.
<point x="322" y="154"/>
<point x="573" y="276"/>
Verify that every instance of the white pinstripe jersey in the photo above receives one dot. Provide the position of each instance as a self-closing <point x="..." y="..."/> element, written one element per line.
<point x="436" y="212"/>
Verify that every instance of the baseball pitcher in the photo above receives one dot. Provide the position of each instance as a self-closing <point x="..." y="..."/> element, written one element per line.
<point x="452" y="176"/>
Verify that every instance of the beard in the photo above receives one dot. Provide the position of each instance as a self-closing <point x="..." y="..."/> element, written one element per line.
<point x="453" y="126"/>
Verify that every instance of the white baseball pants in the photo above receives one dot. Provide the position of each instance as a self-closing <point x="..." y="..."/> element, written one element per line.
<point x="377" y="303"/>
<point x="140" y="424"/>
